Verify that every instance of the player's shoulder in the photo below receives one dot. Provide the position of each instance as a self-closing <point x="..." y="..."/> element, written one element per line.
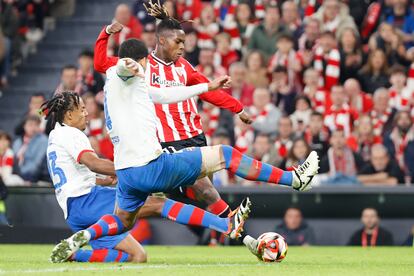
<point x="67" y="132"/>
<point x="182" y="62"/>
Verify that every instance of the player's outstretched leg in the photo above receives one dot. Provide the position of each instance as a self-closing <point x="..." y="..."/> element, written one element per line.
<point x="108" y="225"/>
<point x="100" y="256"/>
<point x="226" y="157"/>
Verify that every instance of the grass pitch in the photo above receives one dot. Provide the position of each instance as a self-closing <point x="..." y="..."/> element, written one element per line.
<point x="198" y="261"/>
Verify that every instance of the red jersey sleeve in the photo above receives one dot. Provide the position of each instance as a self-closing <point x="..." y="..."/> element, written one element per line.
<point x="101" y="61"/>
<point x="218" y="97"/>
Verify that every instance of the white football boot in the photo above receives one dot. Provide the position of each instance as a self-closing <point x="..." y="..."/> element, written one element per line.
<point x="303" y="175"/>
<point x="237" y="218"/>
<point x="66" y="248"/>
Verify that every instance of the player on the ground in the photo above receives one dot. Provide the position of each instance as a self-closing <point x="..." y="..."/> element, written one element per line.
<point x="141" y="166"/>
<point x="73" y="166"/>
<point x="178" y="124"/>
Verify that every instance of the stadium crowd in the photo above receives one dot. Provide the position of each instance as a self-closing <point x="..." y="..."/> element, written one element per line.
<point x="314" y="75"/>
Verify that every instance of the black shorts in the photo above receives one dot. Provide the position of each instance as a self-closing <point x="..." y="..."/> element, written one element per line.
<point x="196" y="141"/>
<point x="181" y="194"/>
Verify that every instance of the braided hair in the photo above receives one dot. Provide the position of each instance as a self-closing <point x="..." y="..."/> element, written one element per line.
<point x="56" y="108"/>
<point x="158" y="11"/>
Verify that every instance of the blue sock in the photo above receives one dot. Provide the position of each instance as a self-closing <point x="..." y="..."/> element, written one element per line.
<point x="191" y="215"/>
<point x="108" y="225"/>
<point x="100" y="256"/>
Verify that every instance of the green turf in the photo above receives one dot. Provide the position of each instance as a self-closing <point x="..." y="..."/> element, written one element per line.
<point x="198" y="261"/>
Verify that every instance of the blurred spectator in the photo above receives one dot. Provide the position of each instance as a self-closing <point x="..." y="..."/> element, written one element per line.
<point x="410" y="239"/>
<point x="374" y="74"/>
<point x="340" y="163"/>
<point x="294" y="229"/>
<point x="327" y="60"/>
<point x="311" y="34"/>
<point x="317" y="135"/>
<point x="239" y="87"/>
<point x="149" y="38"/>
<point x="266" y="34"/>
<point x="283" y="93"/>
<point x="307" y="8"/>
<point x="382" y="115"/>
<point x="358" y="10"/>
<point x="36" y="100"/>
<point x="340" y="114"/>
<point x="220" y="137"/>
<point x="224" y="55"/>
<point x="287" y="57"/>
<point x="262" y="150"/>
<point x="206" y="64"/>
<point x="285" y="135"/>
<point x="9" y="20"/>
<point x="363" y="138"/>
<point x="7" y="162"/>
<point x="400" y="94"/>
<point x="320" y="98"/>
<point x="69" y="80"/>
<point x="256" y="69"/>
<point x="391" y="42"/>
<point x="132" y="27"/>
<point x="351" y="53"/>
<point x="381" y="170"/>
<point x="301" y="117"/>
<point x="244" y="20"/>
<point x="5" y="59"/>
<point x="358" y="100"/>
<point x="95" y="118"/>
<point x="334" y="17"/>
<point x="212" y="118"/>
<point x="297" y="154"/>
<point x="188" y="9"/>
<point x="244" y="135"/>
<point x="30" y="150"/>
<point x="191" y="49"/>
<point x="141" y="14"/>
<point x="291" y="18"/>
<point x="265" y="115"/>
<point x="371" y="234"/>
<point x="207" y="27"/>
<point x="402" y="17"/>
<point x="91" y="81"/>
<point x="400" y="143"/>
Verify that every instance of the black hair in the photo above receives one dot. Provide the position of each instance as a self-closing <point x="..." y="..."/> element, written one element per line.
<point x="133" y="48"/>
<point x="70" y="67"/>
<point x="280" y="69"/>
<point x="305" y="98"/>
<point x="5" y="135"/>
<point x="160" y="12"/>
<point x="86" y="53"/>
<point x="316" y="113"/>
<point x="56" y="108"/>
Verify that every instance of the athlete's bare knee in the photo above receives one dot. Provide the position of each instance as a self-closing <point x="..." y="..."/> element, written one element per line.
<point x="205" y="191"/>
<point x="141" y="257"/>
<point x="212" y="159"/>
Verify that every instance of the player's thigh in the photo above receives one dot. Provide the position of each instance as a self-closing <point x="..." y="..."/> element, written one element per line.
<point x="212" y="160"/>
<point x="134" y="249"/>
<point x="205" y="191"/>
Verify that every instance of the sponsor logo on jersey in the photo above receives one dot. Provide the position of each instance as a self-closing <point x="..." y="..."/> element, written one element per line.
<point x="156" y="79"/>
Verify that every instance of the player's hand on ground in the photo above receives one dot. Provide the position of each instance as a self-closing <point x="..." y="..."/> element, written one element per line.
<point x="245" y="117"/>
<point x="114" y="28"/>
<point x="220" y="82"/>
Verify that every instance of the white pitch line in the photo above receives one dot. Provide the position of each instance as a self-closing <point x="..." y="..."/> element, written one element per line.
<point x="128" y="267"/>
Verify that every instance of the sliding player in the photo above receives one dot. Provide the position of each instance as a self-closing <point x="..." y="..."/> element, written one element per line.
<point x="141" y="166"/>
<point x="72" y="165"/>
<point x="178" y="124"/>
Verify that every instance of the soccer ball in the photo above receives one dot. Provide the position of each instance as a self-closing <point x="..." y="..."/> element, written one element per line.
<point x="273" y="247"/>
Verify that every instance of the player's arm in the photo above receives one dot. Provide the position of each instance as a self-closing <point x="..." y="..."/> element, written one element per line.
<point x="220" y="98"/>
<point x="127" y="68"/>
<point x="96" y="164"/>
<point x="101" y="61"/>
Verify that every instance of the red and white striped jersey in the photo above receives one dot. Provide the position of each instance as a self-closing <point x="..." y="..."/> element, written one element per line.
<point x="176" y="121"/>
<point x="181" y="121"/>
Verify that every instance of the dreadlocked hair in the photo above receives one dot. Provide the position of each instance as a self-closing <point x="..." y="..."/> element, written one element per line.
<point x="158" y="11"/>
<point x="56" y="108"/>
